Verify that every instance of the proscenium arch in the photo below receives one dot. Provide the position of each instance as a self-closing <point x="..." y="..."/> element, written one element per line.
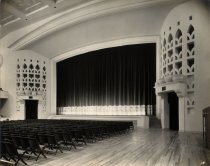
<point x="98" y="46"/>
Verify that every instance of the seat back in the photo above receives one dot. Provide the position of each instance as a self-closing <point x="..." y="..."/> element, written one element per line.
<point x="33" y="143"/>
<point x="11" y="149"/>
<point x="2" y="149"/>
<point x="51" y="139"/>
<point x="42" y="139"/>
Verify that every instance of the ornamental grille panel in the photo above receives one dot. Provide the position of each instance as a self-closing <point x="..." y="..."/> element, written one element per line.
<point x="31" y="76"/>
<point x="178" y="55"/>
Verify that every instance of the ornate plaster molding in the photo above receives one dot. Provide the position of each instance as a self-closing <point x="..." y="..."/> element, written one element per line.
<point x="176" y="83"/>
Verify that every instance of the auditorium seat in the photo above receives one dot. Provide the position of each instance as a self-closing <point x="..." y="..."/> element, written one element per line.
<point x="13" y="153"/>
<point x="37" y="137"/>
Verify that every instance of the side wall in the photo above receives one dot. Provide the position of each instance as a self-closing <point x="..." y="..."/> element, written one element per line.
<point x="197" y="73"/>
<point x="14" y="107"/>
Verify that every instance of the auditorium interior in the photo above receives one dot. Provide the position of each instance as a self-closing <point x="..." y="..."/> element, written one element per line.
<point x="105" y="82"/>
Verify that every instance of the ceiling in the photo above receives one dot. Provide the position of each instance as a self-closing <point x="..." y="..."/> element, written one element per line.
<point x="78" y="23"/>
<point x="15" y="14"/>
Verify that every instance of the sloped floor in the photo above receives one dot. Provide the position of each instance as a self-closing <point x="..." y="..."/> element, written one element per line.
<point x="154" y="147"/>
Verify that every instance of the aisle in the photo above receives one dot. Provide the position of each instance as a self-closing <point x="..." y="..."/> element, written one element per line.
<point x="152" y="147"/>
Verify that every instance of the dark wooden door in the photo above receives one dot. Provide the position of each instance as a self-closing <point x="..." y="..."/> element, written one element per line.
<point x="173" y="111"/>
<point x="31" y="109"/>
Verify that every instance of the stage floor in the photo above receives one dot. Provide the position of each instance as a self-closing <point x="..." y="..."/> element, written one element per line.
<point x="142" y="147"/>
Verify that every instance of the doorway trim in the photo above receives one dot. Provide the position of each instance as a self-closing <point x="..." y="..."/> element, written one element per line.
<point x="162" y="88"/>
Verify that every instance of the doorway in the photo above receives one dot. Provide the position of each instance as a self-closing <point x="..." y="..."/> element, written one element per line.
<point x="31" y="109"/>
<point x="173" y="102"/>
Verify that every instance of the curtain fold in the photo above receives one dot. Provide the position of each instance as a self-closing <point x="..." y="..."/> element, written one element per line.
<point x="114" y="76"/>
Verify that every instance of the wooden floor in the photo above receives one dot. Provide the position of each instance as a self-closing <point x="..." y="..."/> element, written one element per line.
<point x="154" y="147"/>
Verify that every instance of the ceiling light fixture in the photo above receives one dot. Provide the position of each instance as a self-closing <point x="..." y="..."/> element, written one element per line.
<point x="55" y="3"/>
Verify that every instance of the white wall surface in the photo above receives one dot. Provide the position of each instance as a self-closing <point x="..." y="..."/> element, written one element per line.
<point x="201" y="21"/>
<point x="8" y="82"/>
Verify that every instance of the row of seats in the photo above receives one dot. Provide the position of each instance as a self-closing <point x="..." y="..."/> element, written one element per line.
<point x="26" y="138"/>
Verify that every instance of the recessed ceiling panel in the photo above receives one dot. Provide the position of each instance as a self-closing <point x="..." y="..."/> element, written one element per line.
<point x="26" y="6"/>
<point x="6" y="17"/>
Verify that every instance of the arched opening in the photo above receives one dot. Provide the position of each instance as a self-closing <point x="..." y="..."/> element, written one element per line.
<point x="115" y="77"/>
<point x="170" y="38"/>
<point x="190" y="29"/>
<point x="104" y="45"/>
<point x="178" y="33"/>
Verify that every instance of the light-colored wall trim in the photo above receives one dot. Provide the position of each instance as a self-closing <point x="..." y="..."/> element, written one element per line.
<point x="108" y="44"/>
<point x="98" y="46"/>
<point x="53" y="87"/>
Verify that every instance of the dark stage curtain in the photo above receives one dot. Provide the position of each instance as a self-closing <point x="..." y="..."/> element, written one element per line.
<point x="122" y="75"/>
